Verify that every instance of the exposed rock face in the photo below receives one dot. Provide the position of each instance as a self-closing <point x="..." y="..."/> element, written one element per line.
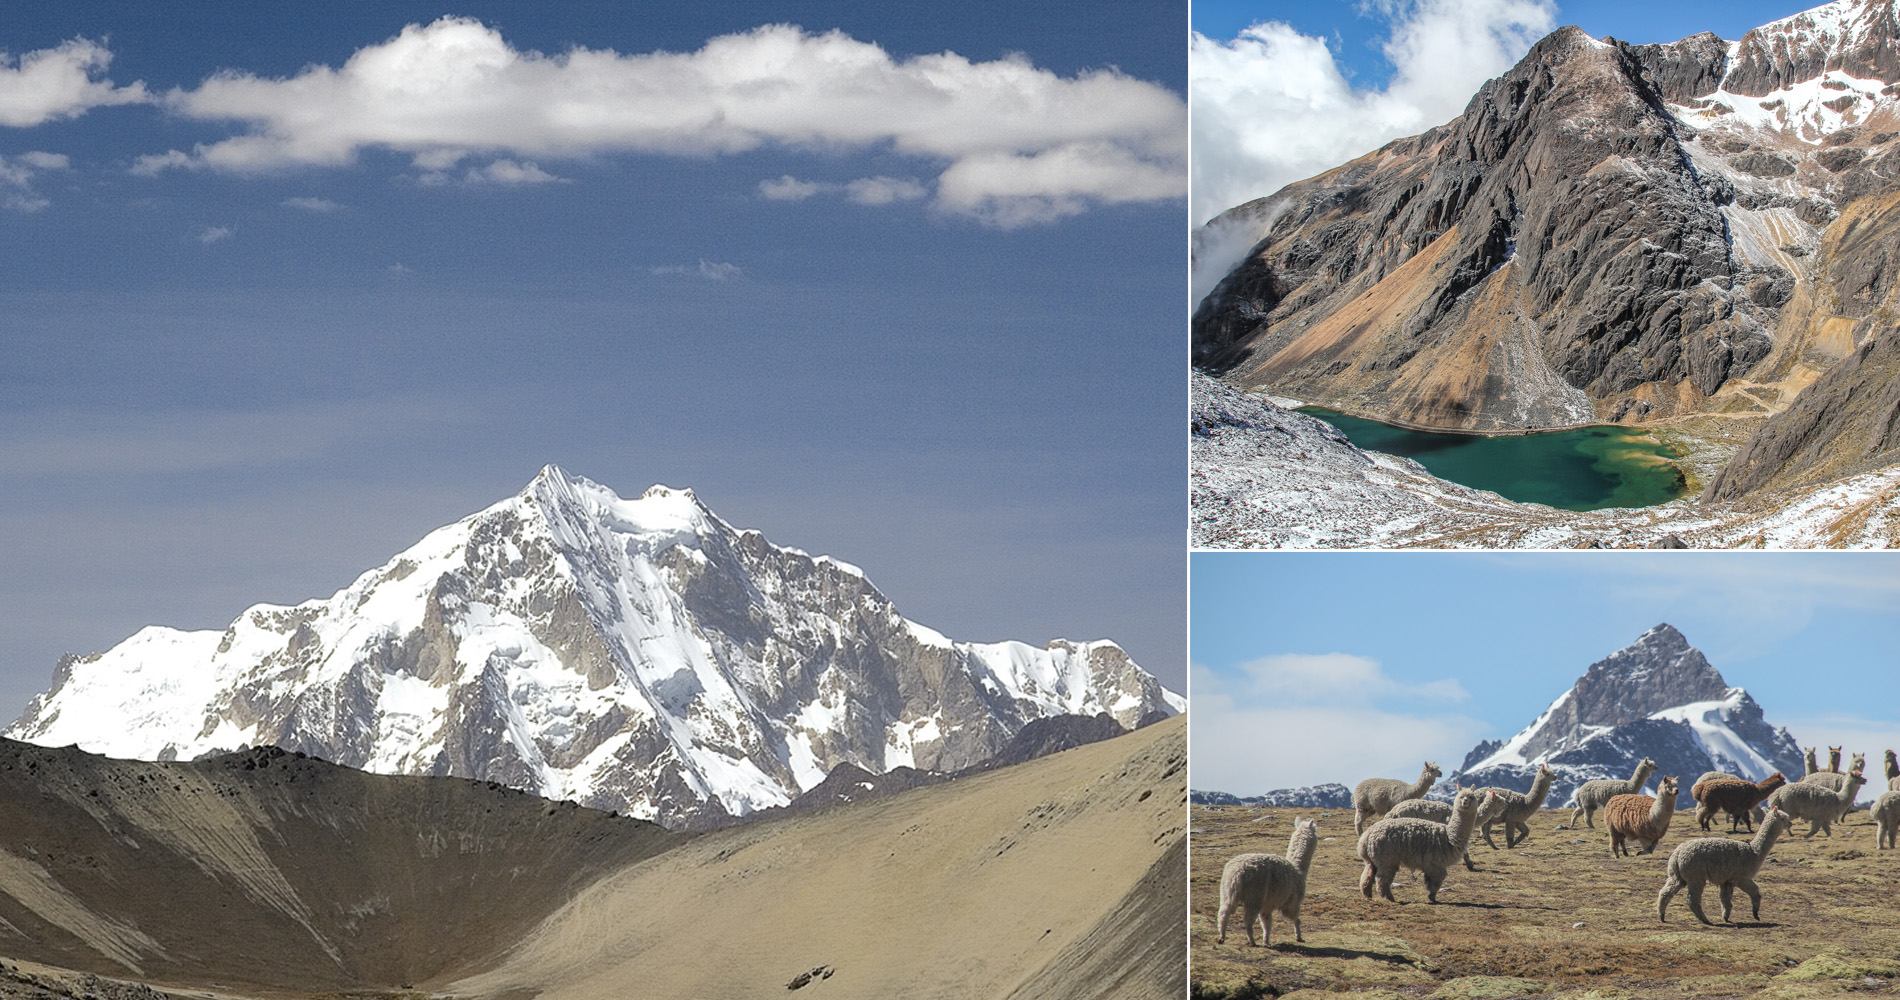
<point x="1848" y="421"/>
<point x="637" y="655"/>
<point x="1658" y="698"/>
<point x="1608" y="232"/>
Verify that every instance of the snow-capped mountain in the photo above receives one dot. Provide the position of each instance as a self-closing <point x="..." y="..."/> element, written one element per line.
<point x="639" y="655"/>
<point x="1659" y="698"/>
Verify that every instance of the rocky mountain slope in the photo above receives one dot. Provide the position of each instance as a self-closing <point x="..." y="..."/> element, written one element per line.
<point x="269" y="874"/>
<point x="636" y="655"/>
<point x="1265" y="477"/>
<point x="1659" y="698"/>
<point x="1610" y="232"/>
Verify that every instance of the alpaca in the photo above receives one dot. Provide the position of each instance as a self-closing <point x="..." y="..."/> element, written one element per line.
<point x="1593" y="794"/>
<point x="1815" y="803"/>
<point x="1519" y="807"/>
<point x="1835" y="782"/>
<point x="1813" y="768"/>
<point x="1640" y="818"/>
<point x="1740" y="799"/>
<point x="1727" y="863"/>
<point x="1893" y="767"/>
<point x="1262" y="884"/>
<point x="1886" y="812"/>
<point x="1834" y="759"/>
<point x="1374" y="797"/>
<point x="1438" y="812"/>
<point x="1390" y="844"/>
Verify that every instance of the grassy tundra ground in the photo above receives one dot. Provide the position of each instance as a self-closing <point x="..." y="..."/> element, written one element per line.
<point x="1556" y="917"/>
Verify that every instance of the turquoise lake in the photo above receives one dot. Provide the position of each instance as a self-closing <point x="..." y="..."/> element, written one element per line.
<point x="1583" y="469"/>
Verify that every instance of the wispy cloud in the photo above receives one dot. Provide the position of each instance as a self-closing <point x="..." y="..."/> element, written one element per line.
<point x="872" y="191"/>
<point x="213" y="234"/>
<point x="1021" y="144"/>
<point x="711" y="270"/>
<point x="1290" y="720"/>
<point x="16" y="179"/>
<point x="59" y="82"/>
<point x="312" y="204"/>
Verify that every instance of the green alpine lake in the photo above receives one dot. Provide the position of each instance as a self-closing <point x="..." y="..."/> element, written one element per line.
<point x="1585" y="468"/>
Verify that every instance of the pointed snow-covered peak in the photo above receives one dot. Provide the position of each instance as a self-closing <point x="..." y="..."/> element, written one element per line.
<point x="1658" y="670"/>
<point x="580" y="512"/>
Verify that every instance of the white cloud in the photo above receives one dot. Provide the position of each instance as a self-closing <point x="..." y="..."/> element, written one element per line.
<point x="16" y="179"/>
<point x="59" y="83"/>
<point x="1272" y="106"/>
<point x="1292" y="720"/>
<point x="1020" y="143"/>
<point x="213" y="234"/>
<point x="312" y="204"/>
<point x="711" y="270"/>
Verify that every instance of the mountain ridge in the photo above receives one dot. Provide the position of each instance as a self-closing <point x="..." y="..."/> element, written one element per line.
<point x="639" y="655"/>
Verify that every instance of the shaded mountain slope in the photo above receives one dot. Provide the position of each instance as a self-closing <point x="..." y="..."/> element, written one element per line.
<point x="273" y="870"/>
<point x="270" y="874"/>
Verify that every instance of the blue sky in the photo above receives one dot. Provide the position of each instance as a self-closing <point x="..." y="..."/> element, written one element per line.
<point x="1283" y="91"/>
<point x="1317" y="667"/>
<point x="274" y="309"/>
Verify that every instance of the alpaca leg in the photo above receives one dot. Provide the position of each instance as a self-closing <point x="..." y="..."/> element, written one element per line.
<point x="1293" y="914"/>
<point x="1486" y="830"/>
<point x="1386" y="875"/>
<point x="1590" y="815"/>
<point x="1574" y="813"/>
<point x="1253" y="914"/>
<point x="1220" y="922"/>
<point x="1754" y="896"/>
<point x="1433" y="879"/>
<point x="1728" y="901"/>
<point x="1359" y="820"/>
<point x="1365" y="880"/>
<point x="1523" y="833"/>
<point x="1695" y="902"/>
<point x="1266" y="928"/>
<point x="1671" y="886"/>
<point x="1468" y="865"/>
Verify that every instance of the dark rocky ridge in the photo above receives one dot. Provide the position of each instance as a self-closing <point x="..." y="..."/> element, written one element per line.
<point x="1561" y="254"/>
<point x="1568" y="168"/>
<point x="1327" y="796"/>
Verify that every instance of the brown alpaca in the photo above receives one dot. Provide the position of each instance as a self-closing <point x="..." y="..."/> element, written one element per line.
<point x="1834" y="760"/>
<point x="1735" y="797"/>
<point x="1640" y="818"/>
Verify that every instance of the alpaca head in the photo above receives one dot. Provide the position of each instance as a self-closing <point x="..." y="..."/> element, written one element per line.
<point x="1667" y="789"/>
<point x="1772" y="782"/>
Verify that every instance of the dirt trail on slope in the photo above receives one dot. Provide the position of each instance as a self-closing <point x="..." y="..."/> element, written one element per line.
<point x="993" y="886"/>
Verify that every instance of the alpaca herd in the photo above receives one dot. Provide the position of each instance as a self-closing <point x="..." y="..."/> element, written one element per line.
<point x="1398" y="828"/>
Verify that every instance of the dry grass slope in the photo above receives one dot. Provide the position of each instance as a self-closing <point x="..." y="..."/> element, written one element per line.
<point x="1830" y="921"/>
<point x="993" y="886"/>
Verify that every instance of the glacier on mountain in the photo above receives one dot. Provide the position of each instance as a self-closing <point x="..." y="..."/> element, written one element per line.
<point x="639" y="655"/>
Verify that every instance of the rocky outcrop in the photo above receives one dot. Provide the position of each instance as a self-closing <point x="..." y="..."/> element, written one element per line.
<point x="1327" y="796"/>
<point x="1860" y="38"/>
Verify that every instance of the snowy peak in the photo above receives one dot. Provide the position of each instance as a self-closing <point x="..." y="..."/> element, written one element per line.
<point x="632" y="654"/>
<point x="1856" y="38"/>
<point x="1657" y="698"/>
